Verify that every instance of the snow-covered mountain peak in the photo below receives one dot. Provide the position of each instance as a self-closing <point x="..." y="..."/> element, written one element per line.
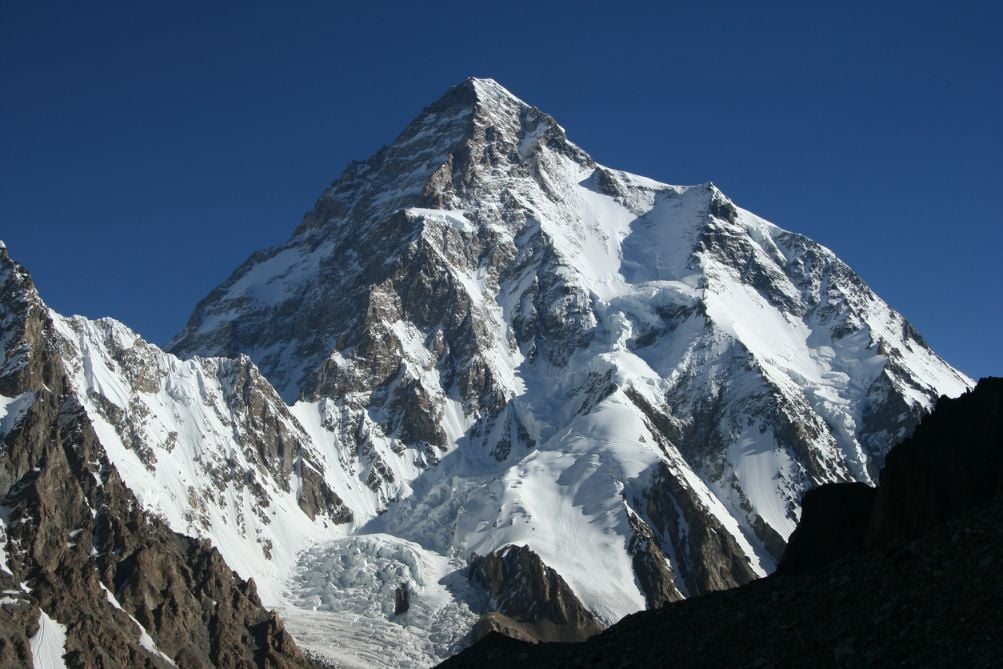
<point x="501" y="342"/>
<point x="485" y="99"/>
<point x="15" y="276"/>
<point x="436" y="157"/>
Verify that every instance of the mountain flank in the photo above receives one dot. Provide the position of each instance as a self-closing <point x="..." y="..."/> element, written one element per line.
<point x="88" y="577"/>
<point x="915" y="582"/>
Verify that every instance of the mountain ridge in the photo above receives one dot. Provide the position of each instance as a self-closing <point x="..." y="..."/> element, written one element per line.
<point x="87" y="573"/>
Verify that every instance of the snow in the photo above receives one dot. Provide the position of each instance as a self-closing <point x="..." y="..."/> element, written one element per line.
<point x="188" y="427"/>
<point x="452" y="219"/>
<point x="12" y="409"/>
<point x="661" y="243"/>
<point x="270" y="281"/>
<point x="4" y="516"/>
<point x="565" y="494"/>
<point x="488" y="88"/>
<point x="145" y="640"/>
<point x="758" y="467"/>
<point x="344" y="472"/>
<point x="48" y="645"/>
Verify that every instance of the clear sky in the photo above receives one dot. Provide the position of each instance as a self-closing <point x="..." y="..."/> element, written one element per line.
<point x="147" y="148"/>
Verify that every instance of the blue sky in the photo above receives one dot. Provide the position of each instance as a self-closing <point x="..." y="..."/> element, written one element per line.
<point x="146" y="149"/>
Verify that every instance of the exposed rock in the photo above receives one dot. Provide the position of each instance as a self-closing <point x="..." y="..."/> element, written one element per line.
<point x="773" y="543"/>
<point x="878" y="609"/>
<point x="480" y="313"/>
<point x="533" y="600"/>
<point x="402" y="599"/>
<point x="479" y="302"/>
<point x="221" y="447"/>
<point x="709" y="558"/>
<point x="952" y="462"/>
<point x="654" y="573"/>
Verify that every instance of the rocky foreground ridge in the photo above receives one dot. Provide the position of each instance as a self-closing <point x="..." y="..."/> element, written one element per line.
<point x="912" y="577"/>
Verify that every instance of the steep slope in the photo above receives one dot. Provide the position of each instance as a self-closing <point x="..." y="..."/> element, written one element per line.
<point x="921" y="591"/>
<point x="88" y="577"/>
<point x="531" y="348"/>
<point x="207" y="445"/>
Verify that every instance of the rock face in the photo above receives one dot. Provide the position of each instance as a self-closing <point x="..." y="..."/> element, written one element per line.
<point x="923" y="590"/>
<point x="951" y="464"/>
<point x="933" y="602"/>
<point x="110" y="584"/>
<point x="708" y="556"/>
<point x="402" y="599"/>
<point x="528" y="599"/>
<point x="509" y="344"/>
<point x="205" y="443"/>
<point x="833" y="524"/>
<point x="651" y="566"/>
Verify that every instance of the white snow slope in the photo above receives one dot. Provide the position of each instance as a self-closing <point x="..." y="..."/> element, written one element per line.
<point x="480" y="337"/>
<point x="48" y="645"/>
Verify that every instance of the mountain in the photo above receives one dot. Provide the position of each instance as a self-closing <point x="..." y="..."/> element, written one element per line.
<point x="920" y="590"/>
<point x="88" y="576"/>
<point x="481" y="306"/>
<point x="483" y="359"/>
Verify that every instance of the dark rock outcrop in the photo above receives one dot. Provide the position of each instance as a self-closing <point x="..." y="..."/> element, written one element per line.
<point x="709" y="557"/>
<point x="833" y="524"/>
<point x="934" y="602"/>
<point x="402" y="599"/>
<point x="951" y="463"/>
<point x="529" y="600"/>
<point x="678" y="522"/>
<point x="651" y="566"/>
